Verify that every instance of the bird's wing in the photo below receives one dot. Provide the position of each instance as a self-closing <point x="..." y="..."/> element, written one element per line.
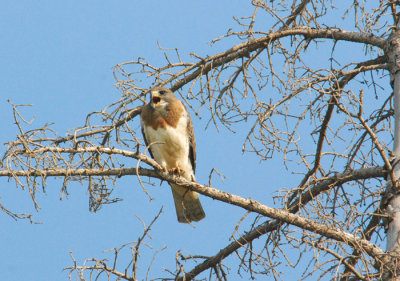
<point x="144" y="135"/>
<point x="192" y="141"/>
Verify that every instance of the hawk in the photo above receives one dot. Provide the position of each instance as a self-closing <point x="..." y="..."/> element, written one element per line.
<point x="168" y="133"/>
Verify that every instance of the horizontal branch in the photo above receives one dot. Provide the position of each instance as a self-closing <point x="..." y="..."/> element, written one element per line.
<point x="91" y="149"/>
<point x="248" y="204"/>
<point x="56" y="172"/>
<point x="118" y="172"/>
<point x="86" y="171"/>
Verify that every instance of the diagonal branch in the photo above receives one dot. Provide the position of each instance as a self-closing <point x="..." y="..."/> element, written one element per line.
<point x="243" y="50"/>
<point x="273" y="225"/>
<point x="284" y="216"/>
<point x="280" y="216"/>
<point x="333" y="101"/>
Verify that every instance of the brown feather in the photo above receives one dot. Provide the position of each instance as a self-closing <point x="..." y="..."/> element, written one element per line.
<point x="187" y="203"/>
<point x="156" y="120"/>
<point x="192" y="141"/>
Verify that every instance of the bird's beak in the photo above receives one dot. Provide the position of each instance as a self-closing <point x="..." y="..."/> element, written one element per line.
<point x="155" y="98"/>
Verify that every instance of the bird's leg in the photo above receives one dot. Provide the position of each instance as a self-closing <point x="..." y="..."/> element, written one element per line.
<point x="176" y="170"/>
<point x="164" y="166"/>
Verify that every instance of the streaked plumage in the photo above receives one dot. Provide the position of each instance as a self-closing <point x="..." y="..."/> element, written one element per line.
<point x="168" y="132"/>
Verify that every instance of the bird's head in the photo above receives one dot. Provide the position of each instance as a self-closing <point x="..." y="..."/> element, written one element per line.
<point x="161" y="97"/>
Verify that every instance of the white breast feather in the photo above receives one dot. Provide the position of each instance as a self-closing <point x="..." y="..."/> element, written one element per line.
<point x="170" y="146"/>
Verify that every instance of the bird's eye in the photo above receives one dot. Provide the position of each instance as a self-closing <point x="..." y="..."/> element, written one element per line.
<point x="162" y="92"/>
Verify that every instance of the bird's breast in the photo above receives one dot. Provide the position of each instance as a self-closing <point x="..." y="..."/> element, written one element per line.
<point x="169" y="145"/>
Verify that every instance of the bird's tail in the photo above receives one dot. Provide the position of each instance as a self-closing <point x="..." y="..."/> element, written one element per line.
<point x="187" y="204"/>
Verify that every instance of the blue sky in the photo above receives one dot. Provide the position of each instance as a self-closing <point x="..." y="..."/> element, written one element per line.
<point x="58" y="56"/>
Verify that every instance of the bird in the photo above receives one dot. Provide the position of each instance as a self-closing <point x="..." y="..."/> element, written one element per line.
<point x="167" y="129"/>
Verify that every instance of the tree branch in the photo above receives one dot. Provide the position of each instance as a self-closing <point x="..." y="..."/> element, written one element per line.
<point x="243" y="50"/>
<point x="269" y="226"/>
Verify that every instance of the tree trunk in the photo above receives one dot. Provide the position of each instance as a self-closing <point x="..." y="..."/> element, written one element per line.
<point x="393" y="208"/>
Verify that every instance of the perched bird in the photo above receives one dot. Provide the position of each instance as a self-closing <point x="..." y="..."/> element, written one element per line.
<point x="168" y="132"/>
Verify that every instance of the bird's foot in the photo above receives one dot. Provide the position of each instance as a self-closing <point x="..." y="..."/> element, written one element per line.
<point x="176" y="171"/>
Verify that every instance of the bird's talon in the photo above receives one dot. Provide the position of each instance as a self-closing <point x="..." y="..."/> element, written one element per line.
<point x="176" y="171"/>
